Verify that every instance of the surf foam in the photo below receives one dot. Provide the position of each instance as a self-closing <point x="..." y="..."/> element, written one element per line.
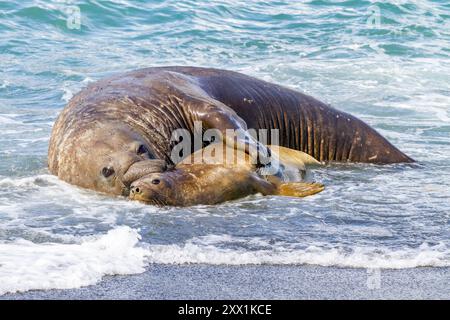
<point x="25" y="265"/>
<point x="210" y="250"/>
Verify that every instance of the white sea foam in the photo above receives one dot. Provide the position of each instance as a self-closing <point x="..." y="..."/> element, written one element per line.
<point x="6" y="119"/>
<point x="210" y="250"/>
<point x="435" y="105"/>
<point x="4" y="84"/>
<point x="87" y="80"/>
<point x="77" y="205"/>
<point x="30" y="182"/>
<point x="29" y="266"/>
<point x="68" y="94"/>
<point x="26" y="266"/>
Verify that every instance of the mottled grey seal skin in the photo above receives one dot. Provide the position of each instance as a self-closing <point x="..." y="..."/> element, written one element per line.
<point x="106" y="131"/>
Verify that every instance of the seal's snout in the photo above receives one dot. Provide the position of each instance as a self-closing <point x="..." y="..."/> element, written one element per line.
<point x="143" y="191"/>
<point x="135" y="190"/>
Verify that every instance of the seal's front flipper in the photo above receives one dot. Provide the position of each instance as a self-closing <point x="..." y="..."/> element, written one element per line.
<point x="216" y="115"/>
<point x="299" y="189"/>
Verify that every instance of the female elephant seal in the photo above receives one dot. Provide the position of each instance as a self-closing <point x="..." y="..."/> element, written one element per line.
<point x="110" y="133"/>
<point x="214" y="180"/>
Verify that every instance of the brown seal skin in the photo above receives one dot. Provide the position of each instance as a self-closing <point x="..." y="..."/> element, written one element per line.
<point x="198" y="184"/>
<point x="211" y="184"/>
<point x="213" y="180"/>
<point x="105" y="132"/>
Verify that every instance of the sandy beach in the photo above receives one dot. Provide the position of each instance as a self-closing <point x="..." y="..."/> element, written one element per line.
<point x="260" y="282"/>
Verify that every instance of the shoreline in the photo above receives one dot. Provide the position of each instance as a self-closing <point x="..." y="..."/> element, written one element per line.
<point x="174" y="282"/>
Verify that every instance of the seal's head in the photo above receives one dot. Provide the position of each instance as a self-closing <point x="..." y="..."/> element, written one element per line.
<point x="105" y="157"/>
<point x="156" y="188"/>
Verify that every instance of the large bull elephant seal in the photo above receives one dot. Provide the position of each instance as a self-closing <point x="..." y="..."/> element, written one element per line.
<point x="110" y="133"/>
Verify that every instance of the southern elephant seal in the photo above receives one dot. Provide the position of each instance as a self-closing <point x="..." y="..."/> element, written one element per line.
<point x="218" y="179"/>
<point x="106" y="132"/>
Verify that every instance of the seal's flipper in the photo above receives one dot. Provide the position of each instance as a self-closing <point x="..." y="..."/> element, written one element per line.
<point x="293" y="157"/>
<point x="216" y="115"/>
<point x="293" y="163"/>
<point x="299" y="189"/>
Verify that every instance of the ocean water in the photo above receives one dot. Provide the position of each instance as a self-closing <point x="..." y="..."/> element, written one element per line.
<point x="387" y="62"/>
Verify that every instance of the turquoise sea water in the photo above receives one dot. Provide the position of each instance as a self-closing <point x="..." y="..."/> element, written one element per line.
<point x="387" y="62"/>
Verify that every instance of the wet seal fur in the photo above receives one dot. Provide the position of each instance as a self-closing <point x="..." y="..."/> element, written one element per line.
<point x="217" y="180"/>
<point x="112" y="132"/>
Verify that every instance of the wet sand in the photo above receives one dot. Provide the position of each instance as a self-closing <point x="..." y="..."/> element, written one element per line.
<point x="261" y="282"/>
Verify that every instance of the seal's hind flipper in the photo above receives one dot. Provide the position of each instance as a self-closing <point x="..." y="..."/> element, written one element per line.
<point x="293" y="163"/>
<point x="299" y="189"/>
<point x="293" y="157"/>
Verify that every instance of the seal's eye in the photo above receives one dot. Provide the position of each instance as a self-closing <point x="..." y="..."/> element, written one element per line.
<point x="156" y="181"/>
<point x="142" y="149"/>
<point x="107" y="172"/>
